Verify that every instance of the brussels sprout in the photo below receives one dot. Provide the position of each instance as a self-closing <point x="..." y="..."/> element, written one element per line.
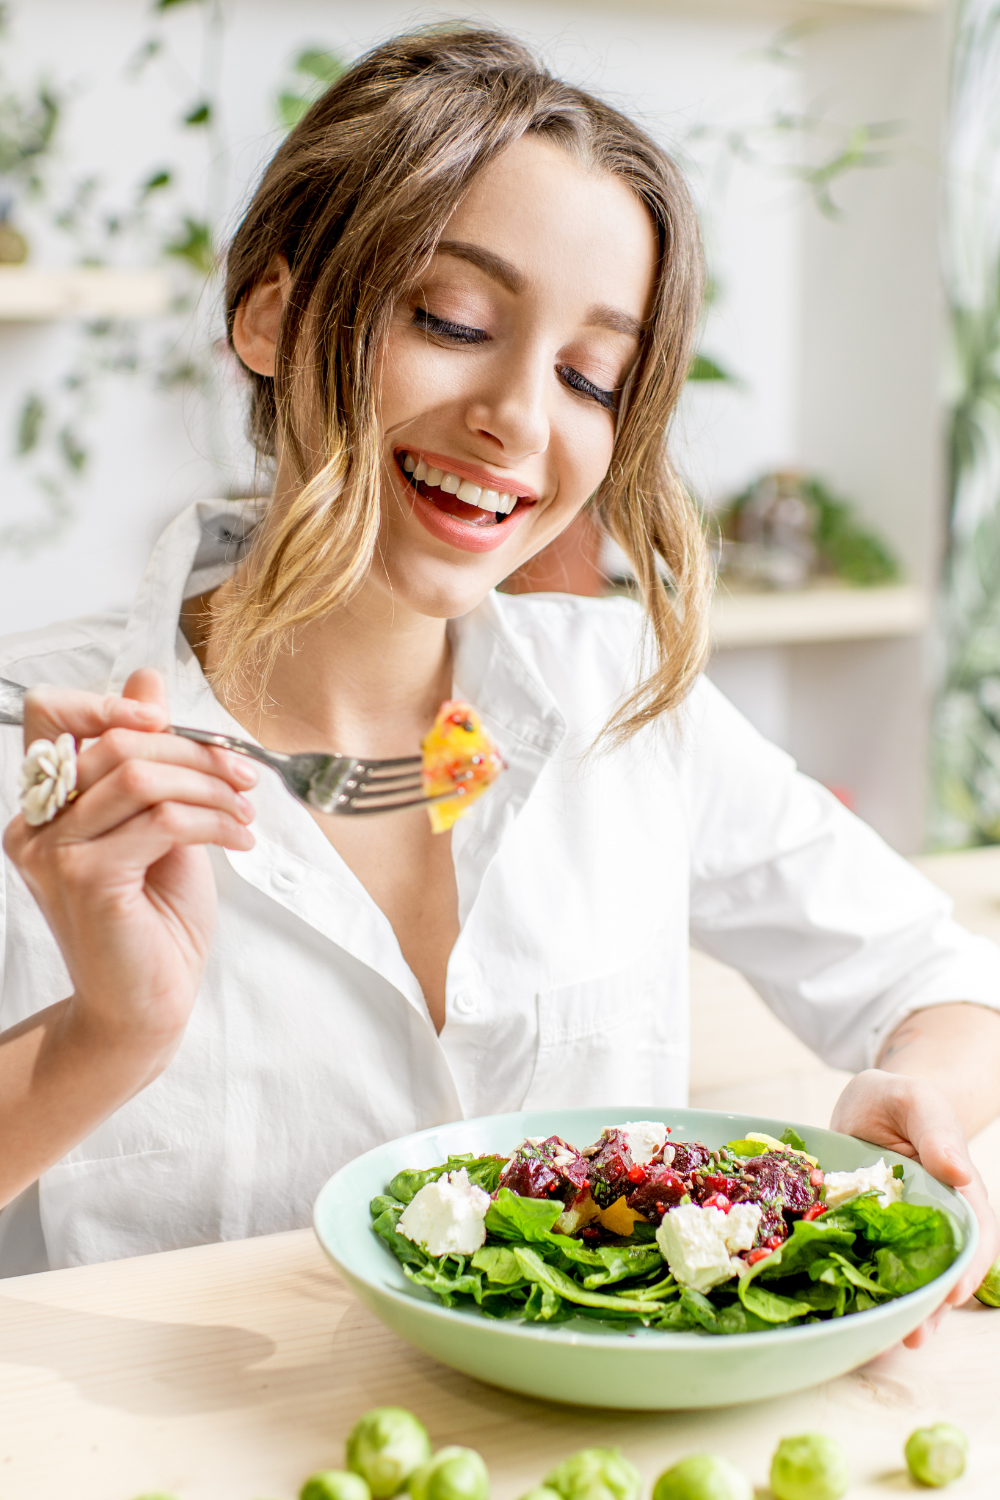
<point x="703" y="1476"/>
<point x="385" y="1446"/>
<point x="988" y="1290"/>
<point x="595" y="1474"/>
<point x="452" y="1474"/>
<point x="542" y="1492"/>
<point x="335" y="1484"/>
<point x="936" y="1455"/>
<point x="811" y="1466"/>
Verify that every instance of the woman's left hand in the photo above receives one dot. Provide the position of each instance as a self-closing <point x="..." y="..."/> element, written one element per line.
<point x="914" y="1118"/>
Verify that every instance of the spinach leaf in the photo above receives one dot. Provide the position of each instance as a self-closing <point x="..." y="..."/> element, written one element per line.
<point x="538" y="1270"/>
<point x="608" y="1263"/>
<point x="770" y="1306"/>
<point x="403" y="1249"/>
<point x="901" y="1271"/>
<point x="447" y="1283"/>
<point x="510" y="1217"/>
<point x="747" y="1148"/>
<point x="483" y="1172"/>
<point x="500" y="1265"/>
<point x="792" y="1138"/>
<point x="809" y="1240"/>
<point x="544" y="1306"/>
<point x="729" y="1319"/>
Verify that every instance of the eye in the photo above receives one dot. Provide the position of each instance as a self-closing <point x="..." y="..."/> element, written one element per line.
<point x="456" y="333"/>
<point x="578" y="382"/>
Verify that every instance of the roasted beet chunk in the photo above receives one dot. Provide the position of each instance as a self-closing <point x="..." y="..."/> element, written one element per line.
<point x="703" y="1185"/>
<point x="546" y="1169"/>
<point x="660" y="1189"/>
<point x="608" y="1167"/>
<point x="782" y="1178"/>
<point x="688" y="1157"/>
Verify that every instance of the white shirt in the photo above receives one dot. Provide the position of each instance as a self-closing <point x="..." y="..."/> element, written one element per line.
<point x="580" y="879"/>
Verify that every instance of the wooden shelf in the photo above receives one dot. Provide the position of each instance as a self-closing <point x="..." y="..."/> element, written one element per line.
<point x="30" y="295"/>
<point x="818" y="614"/>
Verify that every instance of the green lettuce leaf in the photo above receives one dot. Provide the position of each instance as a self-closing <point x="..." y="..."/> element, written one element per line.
<point x="792" y="1138"/>
<point x="483" y="1172"/>
<point x="403" y="1249"/>
<point x="809" y="1240"/>
<point x="729" y="1319"/>
<point x="747" y="1148"/>
<point x="448" y="1279"/>
<point x="607" y="1263"/>
<point x="544" y="1306"/>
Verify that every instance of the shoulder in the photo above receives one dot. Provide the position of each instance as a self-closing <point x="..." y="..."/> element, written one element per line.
<point x="73" y="653"/>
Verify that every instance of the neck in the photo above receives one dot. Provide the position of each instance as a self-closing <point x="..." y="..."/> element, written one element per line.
<point x="367" y="679"/>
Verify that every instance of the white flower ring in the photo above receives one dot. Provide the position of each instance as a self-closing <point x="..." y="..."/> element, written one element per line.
<point x="48" y="779"/>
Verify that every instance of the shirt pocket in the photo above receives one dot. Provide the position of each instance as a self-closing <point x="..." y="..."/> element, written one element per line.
<point x="610" y="1041"/>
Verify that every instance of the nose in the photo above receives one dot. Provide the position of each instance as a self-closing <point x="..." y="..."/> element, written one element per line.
<point x="508" y="409"/>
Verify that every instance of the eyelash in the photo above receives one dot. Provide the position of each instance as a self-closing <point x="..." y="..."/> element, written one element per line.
<point x="459" y="334"/>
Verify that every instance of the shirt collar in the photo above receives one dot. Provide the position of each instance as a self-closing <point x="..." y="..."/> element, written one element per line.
<point x="198" y="550"/>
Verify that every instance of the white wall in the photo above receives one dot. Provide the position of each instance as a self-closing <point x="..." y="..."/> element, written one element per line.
<point x="151" y="454"/>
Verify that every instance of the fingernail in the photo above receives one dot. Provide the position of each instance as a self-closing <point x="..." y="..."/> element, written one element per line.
<point x="244" y="808"/>
<point x="243" y="771"/>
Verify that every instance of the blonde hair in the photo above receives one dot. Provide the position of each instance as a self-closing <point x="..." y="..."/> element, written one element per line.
<point x="357" y="198"/>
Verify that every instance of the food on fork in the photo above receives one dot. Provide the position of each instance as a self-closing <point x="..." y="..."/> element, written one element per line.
<point x="460" y="758"/>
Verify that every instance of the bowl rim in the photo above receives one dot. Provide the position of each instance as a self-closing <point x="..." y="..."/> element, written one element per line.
<point x="561" y="1334"/>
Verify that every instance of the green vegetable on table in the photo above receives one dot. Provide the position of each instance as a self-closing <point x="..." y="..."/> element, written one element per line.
<point x="595" y="1474"/>
<point x="703" y="1476"/>
<point x="452" y="1474"/>
<point x="385" y="1447"/>
<point x="541" y="1492"/>
<point x="936" y="1455"/>
<point x="810" y="1466"/>
<point x="335" y="1484"/>
<point x="988" y="1291"/>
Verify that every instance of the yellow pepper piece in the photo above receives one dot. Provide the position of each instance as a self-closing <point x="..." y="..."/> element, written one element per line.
<point x="459" y="757"/>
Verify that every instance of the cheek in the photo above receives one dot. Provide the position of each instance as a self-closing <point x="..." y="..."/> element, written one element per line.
<point x="585" y="447"/>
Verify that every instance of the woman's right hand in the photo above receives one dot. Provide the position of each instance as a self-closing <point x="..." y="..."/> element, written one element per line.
<point x="120" y="874"/>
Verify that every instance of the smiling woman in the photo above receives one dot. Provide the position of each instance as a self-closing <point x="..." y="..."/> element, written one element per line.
<point x="464" y="295"/>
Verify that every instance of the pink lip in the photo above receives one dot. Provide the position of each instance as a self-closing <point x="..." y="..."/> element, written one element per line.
<point x="469" y="538"/>
<point x="485" y="478"/>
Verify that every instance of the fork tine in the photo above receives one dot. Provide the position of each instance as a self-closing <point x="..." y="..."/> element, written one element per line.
<point x="407" y="762"/>
<point x="355" y="806"/>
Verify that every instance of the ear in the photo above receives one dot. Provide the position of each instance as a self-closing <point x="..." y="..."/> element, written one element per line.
<point x="258" y="318"/>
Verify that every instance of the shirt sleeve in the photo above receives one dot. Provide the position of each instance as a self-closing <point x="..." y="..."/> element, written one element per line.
<point x="837" y="933"/>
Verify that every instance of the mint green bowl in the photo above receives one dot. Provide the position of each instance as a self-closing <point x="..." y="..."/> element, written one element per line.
<point x="578" y="1361"/>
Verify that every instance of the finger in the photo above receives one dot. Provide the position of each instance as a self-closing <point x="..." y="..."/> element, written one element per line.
<point x="927" y="1329"/>
<point x="143" y="840"/>
<point x="934" y="1128"/>
<point x="146" y="686"/>
<point x="137" y="785"/>
<point x="119" y="745"/>
<point x="50" y="712"/>
<point x="989" y="1242"/>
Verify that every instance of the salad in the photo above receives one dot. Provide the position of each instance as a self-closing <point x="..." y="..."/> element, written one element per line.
<point x="639" y="1229"/>
<point x="458" y="758"/>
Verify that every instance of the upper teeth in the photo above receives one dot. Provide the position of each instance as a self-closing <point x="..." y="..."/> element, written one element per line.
<point x="462" y="489"/>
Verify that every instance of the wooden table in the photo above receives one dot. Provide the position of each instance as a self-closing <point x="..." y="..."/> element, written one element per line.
<point x="230" y="1372"/>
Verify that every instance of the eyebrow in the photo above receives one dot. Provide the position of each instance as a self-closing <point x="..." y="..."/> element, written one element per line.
<point x="497" y="269"/>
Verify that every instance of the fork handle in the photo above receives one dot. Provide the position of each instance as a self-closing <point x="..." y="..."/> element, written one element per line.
<point x="12" y="712"/>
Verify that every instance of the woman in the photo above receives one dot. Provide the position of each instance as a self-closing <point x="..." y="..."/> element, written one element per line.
<point x="465" y="296"/>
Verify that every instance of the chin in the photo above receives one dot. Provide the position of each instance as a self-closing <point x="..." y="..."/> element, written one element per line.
<point x="441" y="590"/>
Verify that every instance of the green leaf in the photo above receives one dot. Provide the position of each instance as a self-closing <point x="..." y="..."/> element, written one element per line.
<point x="405" y="1251"/>
<point x="448" y="1279"/>
<point x="536" y="1269"/>
<point x="511" y="1217"/>
<point x="704" y="368"/>
<point x="748" y="1148"/>
<point x="201" y="114"/>
<point x="544" y="1305"/>
<point x="291" y="108"/>
<point x="792" y="1138"/>
<point x="72" y="450"/>
<point x="901" y="1271"/>
<point x="154" y="183"/>
<point x="500" y="1265"/>
<point x="169" y="4"/>
<point x="29" y="424"/>
<point x="326" y="67"/>
<point x="194" y="244"/>
<point x="809" y="1240"/>
<point x="770" y="1306"/>
<point x="729" y="1319"/>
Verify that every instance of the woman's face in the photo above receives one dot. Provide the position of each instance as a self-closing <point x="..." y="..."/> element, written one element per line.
<point x="501" y="372"/>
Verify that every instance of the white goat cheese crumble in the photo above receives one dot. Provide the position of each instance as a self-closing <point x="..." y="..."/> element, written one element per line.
<point x="841" y="1186"/>
<point x="645" y="1138"/>
<point x="698" y="1244"/>
<point x="447" y="1217"/>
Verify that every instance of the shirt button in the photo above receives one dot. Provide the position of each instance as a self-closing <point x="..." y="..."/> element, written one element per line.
<point x="465" y="1003"/>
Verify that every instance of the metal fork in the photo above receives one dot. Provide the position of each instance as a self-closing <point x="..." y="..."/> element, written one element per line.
<point x="339" y="784"/>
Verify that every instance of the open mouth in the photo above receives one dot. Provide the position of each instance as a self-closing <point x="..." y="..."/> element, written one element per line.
<point x="456" y="496"/>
